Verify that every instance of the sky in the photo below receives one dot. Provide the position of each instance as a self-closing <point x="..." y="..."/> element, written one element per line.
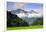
<point x="38" y="7"/>
<point x="24" y="6"/>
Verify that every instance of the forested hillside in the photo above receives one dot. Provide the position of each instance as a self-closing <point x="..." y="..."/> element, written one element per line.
<point x="14" y="20"/>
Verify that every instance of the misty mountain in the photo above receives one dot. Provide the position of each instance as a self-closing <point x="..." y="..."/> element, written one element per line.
<point x="22" y="11"/>
<point x="17" y="11"/>
<point x="26" y="16"/>
<point x="32" y="11"/>
<point x="30" y="21"/>
<point x="14" y="20"/>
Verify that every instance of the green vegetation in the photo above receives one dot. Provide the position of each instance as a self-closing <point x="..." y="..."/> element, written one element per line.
<point x="14" y="22"/>
<point x="26" y="27"/>
<point x="39" y="21"/>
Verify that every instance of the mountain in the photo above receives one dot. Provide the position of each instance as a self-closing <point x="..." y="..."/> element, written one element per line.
<point x="29" y="17"/>
<point x="32" y="20"/>
<point x="14" y="20"/>
<point x="23" y="11"/>
<point x="32" y="11"/>
<point x="17" y="11"/>
<point x="29" y="20"/>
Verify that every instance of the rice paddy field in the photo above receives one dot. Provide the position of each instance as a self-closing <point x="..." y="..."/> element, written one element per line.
<point x="26" y="27"/>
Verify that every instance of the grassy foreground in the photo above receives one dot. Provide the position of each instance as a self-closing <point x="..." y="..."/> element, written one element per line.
<point x="26" y="27"/>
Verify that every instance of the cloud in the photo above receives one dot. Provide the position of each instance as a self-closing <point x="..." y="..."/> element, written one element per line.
<point x="40" y="13"/>
<point x="19" y="5"/>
